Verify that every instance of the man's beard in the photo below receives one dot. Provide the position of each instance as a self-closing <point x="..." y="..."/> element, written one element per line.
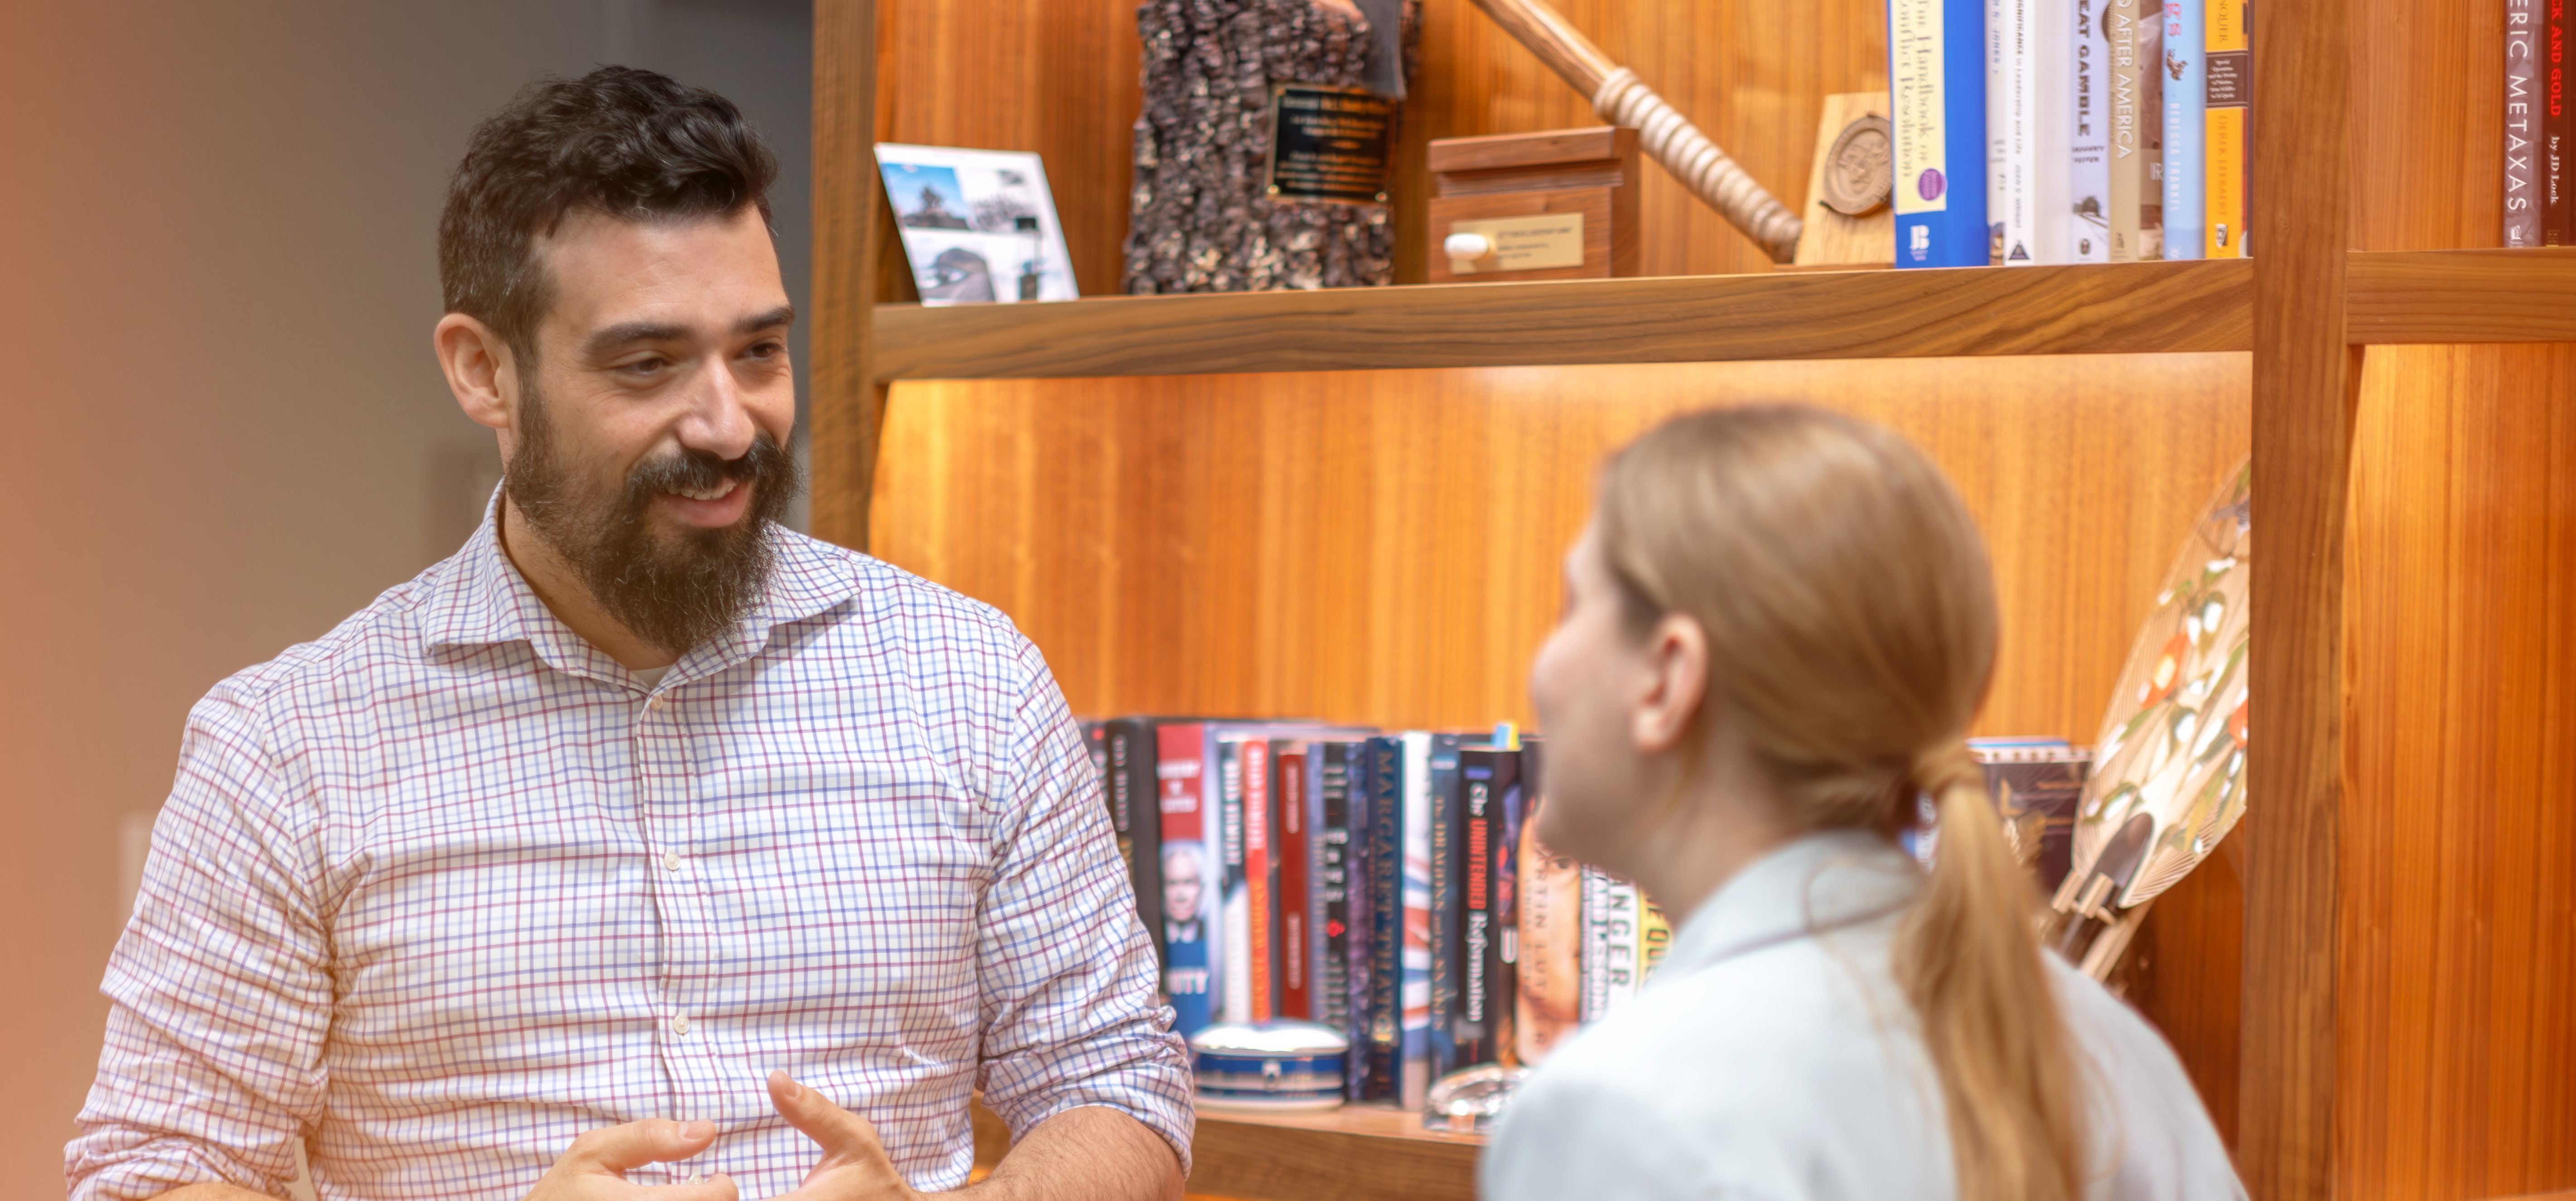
<point x="677" y="590"/>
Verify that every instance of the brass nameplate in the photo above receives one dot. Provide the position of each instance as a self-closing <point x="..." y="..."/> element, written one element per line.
<point x="1534" y="243"/>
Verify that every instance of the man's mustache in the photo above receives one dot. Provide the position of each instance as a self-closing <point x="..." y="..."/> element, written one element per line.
<point x="701" y="470"/>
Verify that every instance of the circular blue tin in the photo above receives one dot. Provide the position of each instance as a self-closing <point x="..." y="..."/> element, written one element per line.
<point x="1289" y="1065"/>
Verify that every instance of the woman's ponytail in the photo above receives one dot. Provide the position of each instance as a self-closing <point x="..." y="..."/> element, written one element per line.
<point x="1968" y="961"/>
<point x="1851" y="612"/>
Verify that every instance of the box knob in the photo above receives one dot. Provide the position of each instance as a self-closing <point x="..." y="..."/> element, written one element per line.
<point x="1468" y="246"/>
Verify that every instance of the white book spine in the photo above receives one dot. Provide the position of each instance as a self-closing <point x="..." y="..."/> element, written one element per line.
<point x="2001" y="89"/>
<point x="2048" y="90"/>
<point x="2089" y="187"/>
<point x="1609" y="957"/>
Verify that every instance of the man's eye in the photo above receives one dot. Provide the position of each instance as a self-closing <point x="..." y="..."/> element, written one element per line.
<point x="647" y="366"/>
<point x="767" y="350"/>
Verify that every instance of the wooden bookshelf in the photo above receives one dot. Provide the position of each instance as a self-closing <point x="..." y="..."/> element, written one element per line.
<point x="2365" y="985"/>
<point x="1355" y="1153"/>
<point x="2133" y="308"/>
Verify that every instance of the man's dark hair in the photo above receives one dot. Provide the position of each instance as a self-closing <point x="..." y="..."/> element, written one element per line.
<point x="629" y="143"/>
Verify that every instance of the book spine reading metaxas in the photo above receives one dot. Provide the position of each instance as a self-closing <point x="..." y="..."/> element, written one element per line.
<point x="2089" y="186"/>
<point x="1294" y="836"/>
<point x="2522" y="120"/>
<point x="2136" y="35"/>
<point x="2230" y="70"/>
<point x="1131" y="789"/>
<point x="1190" y="881"/>
<point x="2186" y="96"/>
<point x="1384" y="770"/>
<point x="1936" y="69"/>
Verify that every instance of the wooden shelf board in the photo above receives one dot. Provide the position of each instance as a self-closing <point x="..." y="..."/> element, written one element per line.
<point x="1357" y="1152"/>
<point x="2096" y="309"/>
<point x="2461" y="296"/>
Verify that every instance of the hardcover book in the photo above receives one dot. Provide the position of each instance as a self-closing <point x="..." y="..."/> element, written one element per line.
<point x="1192" y="935"/>
<point x="1610" y="959"/>
<point x="2136" y="36"/>
<point x="1421" y="750"/>
<point x="1936" y="53"/>
<point x="2230" y="72"/>
<point x="1294" y="834"/>
<point x="1132" y="789"/>
<point x="1387" y="948"/>
<point x="2089" y="186"/>
<point x="1549" y="905"/>
<point x="2186" y="85"/>
<point x="2522" y="120"/>
<point x="2557" y="215"/>
<point x="2035" y="210"/>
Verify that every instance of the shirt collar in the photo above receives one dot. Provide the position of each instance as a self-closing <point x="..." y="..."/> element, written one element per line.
<point x="477" y="597"/>
<point x="1814" y="883"/>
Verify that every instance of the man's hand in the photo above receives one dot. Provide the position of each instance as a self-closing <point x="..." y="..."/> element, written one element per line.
<point x="594" y="1168"/>
<point x="855" y="1166"/>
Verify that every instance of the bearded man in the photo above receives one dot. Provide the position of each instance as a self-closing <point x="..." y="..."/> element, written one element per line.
<point x="644" y="848"/>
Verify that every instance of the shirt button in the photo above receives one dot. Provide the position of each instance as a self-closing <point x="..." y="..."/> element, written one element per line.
<point x="655" y="702"/>
<point x="680" y="1024"/>
<point x="670" y="861"/>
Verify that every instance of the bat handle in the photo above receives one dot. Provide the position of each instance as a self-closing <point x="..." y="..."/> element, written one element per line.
<point x="1669" y="138"/>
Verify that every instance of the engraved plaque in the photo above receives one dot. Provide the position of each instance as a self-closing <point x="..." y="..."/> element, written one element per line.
<point x="1329" y="144"/>
<point x="1533" y="243"/>
<point x="1859" y="170"/>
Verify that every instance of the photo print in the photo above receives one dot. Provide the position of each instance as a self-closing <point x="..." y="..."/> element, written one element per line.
<point x="978" y="226"/>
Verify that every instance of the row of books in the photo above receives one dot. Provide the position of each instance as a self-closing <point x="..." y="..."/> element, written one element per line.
<point x="1391" y="886"/>
<point x="2538" y="209"/>
<point x="2070" y="131"/>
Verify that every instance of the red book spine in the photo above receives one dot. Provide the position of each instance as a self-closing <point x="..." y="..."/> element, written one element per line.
<point x="1296" y="989"/>
<point x="1262" y="951"/>
<point x="2557" y="189"/>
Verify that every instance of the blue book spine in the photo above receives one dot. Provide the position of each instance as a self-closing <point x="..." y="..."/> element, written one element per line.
<point x="2186" y="120"/>
<point x="1448" y="908"/>
<point x="1385" y="869"/>
<point x="1936" y="56"/>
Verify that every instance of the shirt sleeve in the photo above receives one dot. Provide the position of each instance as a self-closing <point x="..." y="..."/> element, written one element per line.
<point x="219" y="988"/>
<point x="1070" y="1013"/>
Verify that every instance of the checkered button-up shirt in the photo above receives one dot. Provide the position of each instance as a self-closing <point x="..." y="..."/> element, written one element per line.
<point x="445" y="889"/>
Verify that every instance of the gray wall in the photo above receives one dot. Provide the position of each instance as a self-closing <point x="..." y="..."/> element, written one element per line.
<point x="217" y="229"/>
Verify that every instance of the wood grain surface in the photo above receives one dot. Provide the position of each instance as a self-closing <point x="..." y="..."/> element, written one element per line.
<point x="2459" y="296"/>
<point x="2123" y="308"/>
<point x="845" y="400"/>
<point x="1383" y="546"/>
<point x="2458" y="976"/>
<point x="2458" y="1028"/>
<point x="2302" y="444"/>
<point x="1357" y="1153"/>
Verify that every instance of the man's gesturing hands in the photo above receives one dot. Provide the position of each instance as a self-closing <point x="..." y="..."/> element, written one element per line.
<point x="594" y="1168"/>
<point x="854" y="1166"/>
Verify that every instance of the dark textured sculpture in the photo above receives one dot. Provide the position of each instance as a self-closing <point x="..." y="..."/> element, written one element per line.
<point x="1200" y="220"/>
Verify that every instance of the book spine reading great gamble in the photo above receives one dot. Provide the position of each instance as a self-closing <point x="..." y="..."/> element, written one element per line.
<point x="2523" y="111"/>
<point x="2090" y="185"/>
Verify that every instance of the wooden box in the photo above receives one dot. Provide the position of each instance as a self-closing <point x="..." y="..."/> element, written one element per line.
<point x="1589" y="175"/>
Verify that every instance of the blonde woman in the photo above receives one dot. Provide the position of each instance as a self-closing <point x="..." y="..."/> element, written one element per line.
<point x="1776" y="630"/>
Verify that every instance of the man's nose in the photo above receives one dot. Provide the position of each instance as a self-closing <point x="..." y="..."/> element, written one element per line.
<point x="719" y="417"/>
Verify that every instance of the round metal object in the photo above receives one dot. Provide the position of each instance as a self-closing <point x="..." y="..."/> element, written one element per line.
<point x="1860" y="168"/>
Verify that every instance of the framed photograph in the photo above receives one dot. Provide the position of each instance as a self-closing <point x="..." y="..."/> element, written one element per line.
<point x="978" y="225"/>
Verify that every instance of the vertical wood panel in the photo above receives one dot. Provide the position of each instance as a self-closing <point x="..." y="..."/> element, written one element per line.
<point x="2286" y="1112"/>
<point x="2459" y="975"/>
<point x="2459" y="928"/>
<point x="845" y="399"/>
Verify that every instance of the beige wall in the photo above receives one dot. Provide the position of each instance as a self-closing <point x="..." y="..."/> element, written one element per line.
<point x="224" y="429"/>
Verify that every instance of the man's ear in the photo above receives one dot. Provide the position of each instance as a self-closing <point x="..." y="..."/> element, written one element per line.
<point x="1676" y="660"/>
<point x="479" y="370"/>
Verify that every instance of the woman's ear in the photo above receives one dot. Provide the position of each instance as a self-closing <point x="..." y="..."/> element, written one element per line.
<point x="477" y="363"/>
<point x="1676" y="664"/>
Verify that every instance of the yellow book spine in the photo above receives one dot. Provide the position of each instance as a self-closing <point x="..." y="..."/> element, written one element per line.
<point x="1654" y="937"/>
<point x="2230" y="75"/>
